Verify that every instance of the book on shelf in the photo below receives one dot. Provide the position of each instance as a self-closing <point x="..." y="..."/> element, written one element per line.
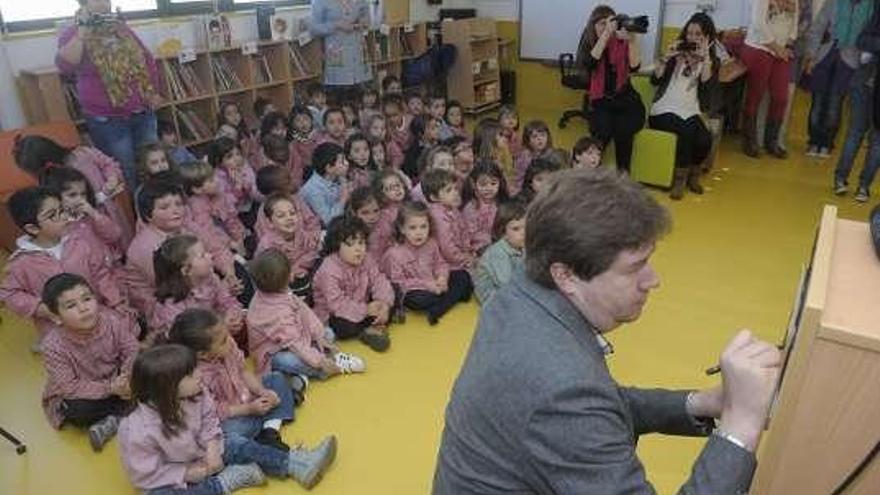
<point x="192" y="126"/>
<point x="262" y="71"/>
<point x="298" y="63"/>
<point x="406" y="48"/>
<point x="225" y="77"/>
<point x="380" y="47"/>
<point x="71" y="98"/>
<point x="183" y="82"/>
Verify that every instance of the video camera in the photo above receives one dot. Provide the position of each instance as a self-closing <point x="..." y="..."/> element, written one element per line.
<point x="638" y="24"/>
<point x="95" y="20"/>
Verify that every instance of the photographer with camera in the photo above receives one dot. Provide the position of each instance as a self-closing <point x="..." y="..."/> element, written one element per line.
<point x="117" y="82"/>
<point x="685" y="78"/>
<point x="609" y="50"/>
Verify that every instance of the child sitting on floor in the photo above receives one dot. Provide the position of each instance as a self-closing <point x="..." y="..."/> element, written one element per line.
<point x="483" y="192"/>
<point x="335" y="129"/>
<point x="327" y="190"/>
<point x="587" y="153"/>
<point x="498" y="264"/>
<point x="172" y="441"/>
<point x="88" y="358"/>
<point x="284" y="334"/>
<point x="185" y="279"/>
<point x="302" y="143"/>
<point x="417" y="267"/>
<point x="45" y="251"/>
<point x="213" y="216"/>
<point x="451" y="232"/>
<point x="351" y="294"/>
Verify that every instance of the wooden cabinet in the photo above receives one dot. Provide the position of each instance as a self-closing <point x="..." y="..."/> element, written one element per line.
<point x="475" y="78"/>
<point x="824" y="422"/>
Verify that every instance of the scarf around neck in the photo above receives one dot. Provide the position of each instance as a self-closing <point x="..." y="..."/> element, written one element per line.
<point x="617" y="53"/>
<point x="121" y="63"/>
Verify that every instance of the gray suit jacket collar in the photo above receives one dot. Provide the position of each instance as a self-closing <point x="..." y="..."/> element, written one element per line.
<point x="562" y="310"/>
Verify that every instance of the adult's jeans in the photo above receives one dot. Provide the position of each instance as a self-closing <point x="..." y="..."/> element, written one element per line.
<point x="861" y="100"/>
<point x="120" y="137"/>
<point x="830" y="83"/>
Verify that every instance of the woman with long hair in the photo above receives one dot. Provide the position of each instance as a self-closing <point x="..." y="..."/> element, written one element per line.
<point x="610" y="55"/>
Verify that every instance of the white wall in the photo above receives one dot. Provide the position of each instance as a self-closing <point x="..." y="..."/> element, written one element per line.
<point x="728" y="12"/>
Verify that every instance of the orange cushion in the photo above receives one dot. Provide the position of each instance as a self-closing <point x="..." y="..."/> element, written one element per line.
<point x="14" y="178"/>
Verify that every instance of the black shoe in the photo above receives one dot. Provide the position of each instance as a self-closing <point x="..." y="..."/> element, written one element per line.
<point x="375" y="340"/>
<point x="272" y="438"/>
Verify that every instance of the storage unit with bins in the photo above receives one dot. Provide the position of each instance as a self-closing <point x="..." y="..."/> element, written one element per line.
<point x="475" y="78"/>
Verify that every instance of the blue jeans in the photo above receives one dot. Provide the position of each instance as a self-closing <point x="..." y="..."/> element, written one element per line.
<point x="289" y="363"/>
<point x="830" y="83"/>
<point x="208" y="486"/>
<point x="121" y="137"/>
<point x="861" y="104"/>
<point x="239" y="432"/>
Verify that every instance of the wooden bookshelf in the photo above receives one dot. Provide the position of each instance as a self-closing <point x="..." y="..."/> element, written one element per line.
<point x="475" y="78"/>
<point x="193" y="91"/>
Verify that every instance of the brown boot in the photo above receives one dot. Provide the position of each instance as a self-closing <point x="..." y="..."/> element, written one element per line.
<point x="677" y="191"/>
<point x="750" y="136"/>
<point x="693" y="179"/>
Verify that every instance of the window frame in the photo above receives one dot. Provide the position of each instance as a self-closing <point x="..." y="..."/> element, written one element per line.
<point x="164" y="8"/>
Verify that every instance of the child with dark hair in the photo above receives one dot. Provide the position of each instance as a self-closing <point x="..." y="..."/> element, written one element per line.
<point x="284" y="334"/>
<point x="360" y="160"/>
<point x="214" y="218"/>
<point x="276" y="180"/>
<point x="536" y="179"/>
<point x="424" y="133"/>
<point x="251" y="410"/>
<point x="415" y="103"/>
<point x="263" y="107"/>
<point x="45" y="251"/>
<point x="335" y="129"/>
<point x="284" y="232"/>
<point x="391" y="85"/>
<point x="236" y="178"/>
<point x="369" y="105"/>
<point x="503" y="258"/>
<point x="587" y="153"/>
<point x="88" y="357"/>
<point x="444" y="201"/>
<point x="83" y="219"/>
<point x="455" y="119"/>
<point x="276" y="151"/>
<point x="351" y="113"/>
<point x="351" y="294"/>
<point x="33" y="154"/>
<point x="397" y="119"/>
<point x="151" y="160"/>
<point x="168" y="139"/>
<point x="233" y="126"/>
<point x="376" y="129"/>
<point x="316" y="97"/>
<point x="185" y="279"/>
<point x="435" y="158"/>
<point x="437" y="109"/>
<point x="417" y="267"/>
<point x="302" y="143"/>
<point x="364" y="204"/>
<point x="484" y="190"/>
<point x="537" y="142"/>
<point x="273" y="123"/>
<point x="327" y="190"/>
<point x="172" y="441"/>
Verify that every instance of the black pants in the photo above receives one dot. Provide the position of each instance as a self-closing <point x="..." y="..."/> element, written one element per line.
<point x="247" y="291"/>
<point x="694" y="140"/>
<point x="347" y="329"/>
<point x="618" y="118"/>
<point x="436" y="306"/>
<point x="83" y="413"/>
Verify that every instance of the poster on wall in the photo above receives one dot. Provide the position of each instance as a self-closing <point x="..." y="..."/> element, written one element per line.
<point x="218" y="31"/>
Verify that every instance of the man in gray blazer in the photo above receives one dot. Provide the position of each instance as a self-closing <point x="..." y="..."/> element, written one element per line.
<point x="535" y="410"/>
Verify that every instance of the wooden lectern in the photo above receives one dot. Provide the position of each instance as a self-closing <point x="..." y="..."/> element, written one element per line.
<point x="827" y="415"/>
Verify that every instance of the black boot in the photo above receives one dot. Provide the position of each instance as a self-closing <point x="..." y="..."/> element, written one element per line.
<point x="750" y="136"/>
<point x="677" y="192"/>
<point x="771" y="140"/>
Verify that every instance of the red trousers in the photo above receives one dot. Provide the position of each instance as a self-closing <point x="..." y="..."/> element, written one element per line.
<point x="766" y="73"/>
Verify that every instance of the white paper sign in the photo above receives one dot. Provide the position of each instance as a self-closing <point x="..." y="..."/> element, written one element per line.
<point x="493" y="63"/>
<point x="304" y="37"/>
<point x="385" y="29"/>
<point x="408" y="28"/>
<point x="249" y="48"/>
<point x="186" y="55"/>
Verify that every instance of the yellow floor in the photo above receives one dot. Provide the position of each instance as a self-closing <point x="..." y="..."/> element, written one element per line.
<point x="732" y="261"/>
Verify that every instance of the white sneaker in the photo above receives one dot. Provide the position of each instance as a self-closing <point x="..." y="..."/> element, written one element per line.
<point x="824" y="153"/>
<point x="349" y="363"/>
<point x="813" y="151"/>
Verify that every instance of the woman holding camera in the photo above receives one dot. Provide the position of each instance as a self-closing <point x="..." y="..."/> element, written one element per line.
<point x="116" y="81"/>
<point x="610" y="55"/>
<point x="685" y="78"/>
<point x="768" y="56"/>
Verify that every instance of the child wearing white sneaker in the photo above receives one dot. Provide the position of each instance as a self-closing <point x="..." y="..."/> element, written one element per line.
<point x="251" y="411"/>
<point x="283" y="333"/>
<point x="172" y="442"/>
<point x="88" y="358"/>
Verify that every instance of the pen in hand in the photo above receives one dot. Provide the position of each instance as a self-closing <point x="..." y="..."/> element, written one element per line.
<point x="714" y="370"/>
